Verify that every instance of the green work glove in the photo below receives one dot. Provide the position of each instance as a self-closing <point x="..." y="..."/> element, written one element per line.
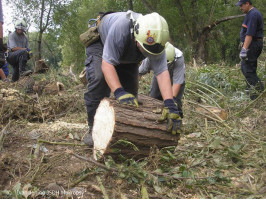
<point x="171" y="114"/>
<point x="125" y="98"/>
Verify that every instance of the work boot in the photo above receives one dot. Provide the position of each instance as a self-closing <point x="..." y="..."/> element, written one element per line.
<point x="88" y="138"/>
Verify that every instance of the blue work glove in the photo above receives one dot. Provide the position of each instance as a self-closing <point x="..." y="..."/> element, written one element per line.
<point x="125" y="98"/>
<point x="243" y="53"/>
<point x="171" y="113"/>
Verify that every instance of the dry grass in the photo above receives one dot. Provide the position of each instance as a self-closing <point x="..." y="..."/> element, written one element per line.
<point x="214" y="159"/>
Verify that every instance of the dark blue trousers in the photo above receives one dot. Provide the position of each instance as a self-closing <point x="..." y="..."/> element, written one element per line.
<point x="18" y="60"/>
<point x="249" y="66"/>
<point x="97" y="86"/>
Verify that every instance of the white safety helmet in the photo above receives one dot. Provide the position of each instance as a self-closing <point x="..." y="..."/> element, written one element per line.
<point x="151" y="31"/>
<point x="21" y="24"/>
<point x="170" y="52"/>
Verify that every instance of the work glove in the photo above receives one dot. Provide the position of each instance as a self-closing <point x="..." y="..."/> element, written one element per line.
<point x="125" y="98"/>
<point x="178" y="107"/>
<point x="243" y="54"/>
<point x="171" y="113"/>
<point x="29" y="53"/>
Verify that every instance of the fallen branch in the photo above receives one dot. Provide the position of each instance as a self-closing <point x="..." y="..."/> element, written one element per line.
<point x="92" y="161"/>
<point x="218" y="118"/>
<point x="205" y="88"/>
<point x="60" y="143"/>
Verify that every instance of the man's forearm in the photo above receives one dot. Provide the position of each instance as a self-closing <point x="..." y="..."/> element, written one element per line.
<point x="110" y="76"/>
<point x="164" y="83"/>
<point x="176" y="89"/>
<point x="2" y="74"/>
<point x="18" y="48"/>
<point x="247" y="41"/>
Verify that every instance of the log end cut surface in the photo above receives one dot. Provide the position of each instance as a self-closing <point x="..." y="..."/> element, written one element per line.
<point x="103" y="128"/>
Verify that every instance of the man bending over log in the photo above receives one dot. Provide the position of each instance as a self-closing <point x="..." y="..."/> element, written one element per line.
<point x="176" y="67"/>
<point x="126" y="38"/>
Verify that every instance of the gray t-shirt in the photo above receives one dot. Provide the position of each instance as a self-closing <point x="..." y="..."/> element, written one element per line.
<point x="177" y="67"/>
<point x="15" y="40"/>
<point x="119" y="44"/>
<point x="1" y="12"/>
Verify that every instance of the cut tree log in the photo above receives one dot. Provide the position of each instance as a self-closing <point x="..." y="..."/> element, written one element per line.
<point x="128" y="131"/>
<point x="41" y="67"/>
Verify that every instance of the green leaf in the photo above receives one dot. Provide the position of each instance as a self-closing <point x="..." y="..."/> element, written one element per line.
<point x="144" y="192"/>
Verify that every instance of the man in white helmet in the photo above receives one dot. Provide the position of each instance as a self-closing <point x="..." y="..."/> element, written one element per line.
<point x="112" y="63"/>
<point x="176" y="67"/>
<point x="19" y="51"/>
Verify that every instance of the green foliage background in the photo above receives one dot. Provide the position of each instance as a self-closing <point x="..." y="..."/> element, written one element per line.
<point x="69" y="18"/>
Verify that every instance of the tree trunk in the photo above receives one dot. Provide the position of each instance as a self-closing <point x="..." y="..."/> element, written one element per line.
<point x="200" y="53"/>
<point x="129" y="131"/>
<point x="130" y="5"/>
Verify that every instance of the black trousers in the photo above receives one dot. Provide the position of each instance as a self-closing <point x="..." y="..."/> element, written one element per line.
<point x="18" y="60"/>
<point x="249" y="66"/>
<point x="97" y="86"/>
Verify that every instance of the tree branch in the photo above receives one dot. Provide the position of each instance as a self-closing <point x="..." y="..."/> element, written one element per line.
<point x="215" y="23"/>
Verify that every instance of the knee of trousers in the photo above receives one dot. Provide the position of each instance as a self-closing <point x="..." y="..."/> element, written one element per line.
<point x="24" y="56"/>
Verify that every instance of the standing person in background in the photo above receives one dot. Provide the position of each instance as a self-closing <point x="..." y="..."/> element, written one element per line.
<point x="251" y="36"/>
<point x="19" y="51"/>
<point x="2" y="47"/>
<point x="176" y="67"/>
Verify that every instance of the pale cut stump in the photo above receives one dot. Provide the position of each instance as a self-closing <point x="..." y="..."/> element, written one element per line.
<point x="128" y="131"/>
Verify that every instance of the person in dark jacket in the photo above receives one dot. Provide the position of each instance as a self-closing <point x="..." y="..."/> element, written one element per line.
<point x="251" y="36"/>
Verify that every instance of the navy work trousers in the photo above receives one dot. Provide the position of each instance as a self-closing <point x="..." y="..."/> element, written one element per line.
<point x="249" y="66"/>
<point x="18" y="60"/>
<point x="97" y="86"/>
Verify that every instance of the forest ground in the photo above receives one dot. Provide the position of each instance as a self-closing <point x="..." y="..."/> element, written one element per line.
<point x="214" y="158"/>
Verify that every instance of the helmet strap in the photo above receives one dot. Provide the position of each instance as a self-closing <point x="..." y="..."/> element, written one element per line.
<point x="129" y="15"/>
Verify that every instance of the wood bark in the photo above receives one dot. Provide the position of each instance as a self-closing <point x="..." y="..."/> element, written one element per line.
<point x="129" y="131"/>
<point x="41" y="67"/>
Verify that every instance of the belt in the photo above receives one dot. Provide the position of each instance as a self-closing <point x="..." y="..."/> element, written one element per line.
<point x="257" y="39"/>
